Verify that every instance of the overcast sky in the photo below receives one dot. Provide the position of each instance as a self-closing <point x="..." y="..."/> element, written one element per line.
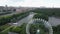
<point x="31" y="3"/>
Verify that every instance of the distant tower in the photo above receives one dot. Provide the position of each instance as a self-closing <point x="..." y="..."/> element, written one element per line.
<point x="6" y="7"/>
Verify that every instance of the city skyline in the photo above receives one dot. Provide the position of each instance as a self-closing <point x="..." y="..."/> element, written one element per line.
<point x="31" y="3"/>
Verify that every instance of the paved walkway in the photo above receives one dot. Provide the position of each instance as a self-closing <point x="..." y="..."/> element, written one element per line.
<point x="6" y="29"/>
<point x="24" y="20"/>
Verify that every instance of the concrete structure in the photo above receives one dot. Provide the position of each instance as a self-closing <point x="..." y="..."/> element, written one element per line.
<point x="46" y="24"/>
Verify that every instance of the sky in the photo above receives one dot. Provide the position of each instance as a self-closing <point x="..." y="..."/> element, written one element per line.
<point x="31" y="3"/>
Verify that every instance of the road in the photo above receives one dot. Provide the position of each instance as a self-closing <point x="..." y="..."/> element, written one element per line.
<point x="27" y="27"/>
<point x="24" y="20"/>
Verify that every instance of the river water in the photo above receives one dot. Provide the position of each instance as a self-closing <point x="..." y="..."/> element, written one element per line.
<point x="54" y="21"/>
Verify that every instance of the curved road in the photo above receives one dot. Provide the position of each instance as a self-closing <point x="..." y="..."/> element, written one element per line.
<point x="24" y="20"/>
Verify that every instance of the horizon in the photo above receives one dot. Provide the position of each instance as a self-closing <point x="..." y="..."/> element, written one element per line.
<point x="31" y="3"/>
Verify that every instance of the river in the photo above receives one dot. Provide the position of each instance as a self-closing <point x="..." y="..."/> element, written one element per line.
<point x="54" y="21"/>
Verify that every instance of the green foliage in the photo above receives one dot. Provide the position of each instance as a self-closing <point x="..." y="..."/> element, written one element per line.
<point x="42" y="16"/>
<point x="12" y="18"/>
<point x="19" y="29"/>
<point x="4" y="27"/>
<point x="35" y="27"/>
<point x="48" y="11"/>
<point x="56" y="29"/>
